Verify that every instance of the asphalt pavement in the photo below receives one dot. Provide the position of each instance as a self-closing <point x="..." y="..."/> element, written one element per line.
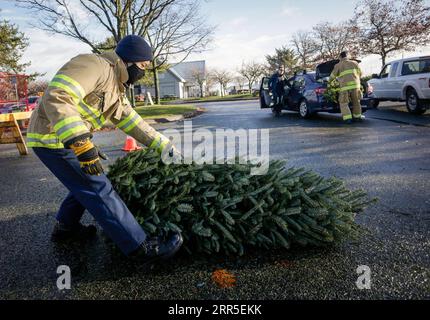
<point x="388" y="155"/>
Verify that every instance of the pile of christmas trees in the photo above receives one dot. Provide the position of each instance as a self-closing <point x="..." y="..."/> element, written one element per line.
<point x="222" y="208"/>
<point x="332" y="92"/>
<point x="333" y="87"/>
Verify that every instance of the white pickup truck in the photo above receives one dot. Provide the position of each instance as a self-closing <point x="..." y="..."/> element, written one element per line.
<point x="403" y="80"/>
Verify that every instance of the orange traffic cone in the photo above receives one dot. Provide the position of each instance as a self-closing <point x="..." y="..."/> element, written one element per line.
<point x="130" y="145"/>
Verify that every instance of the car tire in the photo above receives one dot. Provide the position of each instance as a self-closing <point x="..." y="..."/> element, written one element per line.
<point x="374" y="104"/>
<point x="413" y="103"/>
<point x="304" y="110"/>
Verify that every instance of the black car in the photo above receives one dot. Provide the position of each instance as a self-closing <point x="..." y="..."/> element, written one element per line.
<point x="305" y="92"/>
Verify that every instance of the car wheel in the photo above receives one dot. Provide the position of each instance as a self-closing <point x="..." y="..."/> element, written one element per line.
<point x="374" y="104"/>
<point x="304" y="110"/>
<point x="413" y="103"/>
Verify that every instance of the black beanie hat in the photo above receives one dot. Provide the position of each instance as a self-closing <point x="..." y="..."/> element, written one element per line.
<point x="134" y="49"/>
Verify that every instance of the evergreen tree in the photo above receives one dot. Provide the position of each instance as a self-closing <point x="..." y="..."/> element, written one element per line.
<point x="12" y="46"/>
<point x="283" y="56"/>
<point x="222" y="208"/>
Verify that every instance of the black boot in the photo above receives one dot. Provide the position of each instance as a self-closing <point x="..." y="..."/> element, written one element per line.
<point x="154" y="249"/>
<point x="62" y="233"/>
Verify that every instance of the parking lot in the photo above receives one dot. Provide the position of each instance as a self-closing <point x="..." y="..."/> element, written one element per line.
<point x="388" y="155"/>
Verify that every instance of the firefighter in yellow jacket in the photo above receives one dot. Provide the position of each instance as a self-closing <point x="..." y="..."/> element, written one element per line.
<point x="85" y="93"/>
<point x="348" y="74"/>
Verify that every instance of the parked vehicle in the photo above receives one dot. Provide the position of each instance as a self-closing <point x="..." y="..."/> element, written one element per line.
<point x="6" y="108"/>
<point x="403" y="80"/>
<point x="306" y="93"/>
<point x="169" y="97"/>
<point x="13" y="107"/>
<point x="32" y="102"/>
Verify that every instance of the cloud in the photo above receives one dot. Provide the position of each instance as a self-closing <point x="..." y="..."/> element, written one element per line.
<point x="231" y="49"/>
<point x="15" y="19"/>
<point x="289" y="11"/>
<point x="372" y="63"/>
<point x="240" y="21"/>
<point x="47" y="52"/>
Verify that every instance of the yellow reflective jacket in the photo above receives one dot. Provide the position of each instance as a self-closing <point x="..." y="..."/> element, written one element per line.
<point x="348" y="74"/>
<point x="85" y="93"/>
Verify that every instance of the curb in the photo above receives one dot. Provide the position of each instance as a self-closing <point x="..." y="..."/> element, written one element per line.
<point x="187" y="115"/>
<point x="209" y="101"/>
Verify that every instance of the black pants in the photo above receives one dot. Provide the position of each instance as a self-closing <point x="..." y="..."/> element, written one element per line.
<point x="278" y="99"/>
<point x="94" y="193"/>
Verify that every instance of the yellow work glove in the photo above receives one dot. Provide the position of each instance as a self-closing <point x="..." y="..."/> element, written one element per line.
<point x="165" y="147"/>
<point x="88" y="157"/>
<point x="160" y="143"/>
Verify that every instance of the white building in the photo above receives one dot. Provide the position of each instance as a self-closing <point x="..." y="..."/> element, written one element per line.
<point x="181" y="80"/>
<point x="172" y="84"/>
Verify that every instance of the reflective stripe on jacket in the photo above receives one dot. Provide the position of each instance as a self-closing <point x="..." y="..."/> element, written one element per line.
<point x="348" y="74"/>
<point x="85" y="93"/>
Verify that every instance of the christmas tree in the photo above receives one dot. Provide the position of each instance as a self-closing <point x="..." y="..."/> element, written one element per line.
<point x="223" y="208"/>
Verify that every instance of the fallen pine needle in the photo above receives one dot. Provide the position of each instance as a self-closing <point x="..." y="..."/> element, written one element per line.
<point x="224" y="279"/>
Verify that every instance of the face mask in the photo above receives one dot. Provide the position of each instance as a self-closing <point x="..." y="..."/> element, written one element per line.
<point x="134" y="74"/>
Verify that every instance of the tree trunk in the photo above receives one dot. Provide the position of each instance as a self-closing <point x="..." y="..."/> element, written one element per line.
<point x="384" y="59"/>
<point x="131" y="96"/>
<point x="156" y="84"/>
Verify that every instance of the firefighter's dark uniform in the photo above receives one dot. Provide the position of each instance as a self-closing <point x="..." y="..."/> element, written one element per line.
<point x="348" y="73"/>
<point x="277" y="86"/>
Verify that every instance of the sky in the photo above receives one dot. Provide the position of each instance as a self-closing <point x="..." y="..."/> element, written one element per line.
<point x="245" y="30"/>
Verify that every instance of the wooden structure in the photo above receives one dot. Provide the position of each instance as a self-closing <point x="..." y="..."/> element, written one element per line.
<point x="10" y="131"/>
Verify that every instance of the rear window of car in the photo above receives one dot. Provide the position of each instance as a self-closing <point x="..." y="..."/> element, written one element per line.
<point x="416" y="67"/>
<point x="299" y="81"/>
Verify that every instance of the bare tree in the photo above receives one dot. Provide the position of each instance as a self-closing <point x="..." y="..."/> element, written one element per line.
<point x="210" y="82"/>
<point x="199" y="78"/>
<point x="173" y="27"/>
<point x="179" y="31"/>
<point x="384" y="27"/>
<point x="332" y="39"/>
<point x="240" y="81"/>
<point x="223" y="78"/>
<point x="306" y="48"/>
<point x="252" y="71"/>
<point x="37" y="86"/>
<point x="76" y="18"/>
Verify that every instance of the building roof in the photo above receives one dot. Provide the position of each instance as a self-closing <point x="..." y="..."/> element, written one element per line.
<point x="187" y="69"/>
<point x="176" y="75"/>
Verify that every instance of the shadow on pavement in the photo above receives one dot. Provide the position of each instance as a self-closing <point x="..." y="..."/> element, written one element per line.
<point x="29" y="263"/>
